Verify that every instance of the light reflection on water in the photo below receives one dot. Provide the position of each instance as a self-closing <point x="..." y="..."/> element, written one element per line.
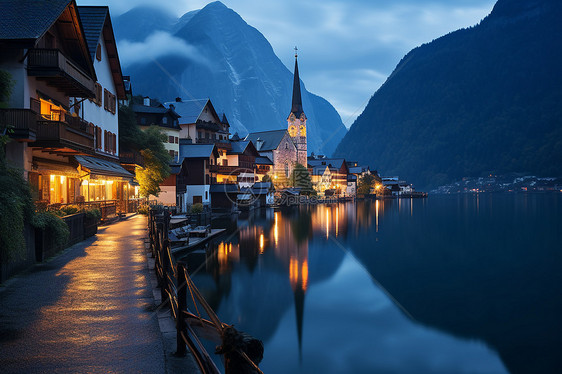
<point x="444" y="285"/>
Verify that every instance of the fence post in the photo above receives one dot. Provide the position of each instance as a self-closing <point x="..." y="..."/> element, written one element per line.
<point x="181" y="349"/>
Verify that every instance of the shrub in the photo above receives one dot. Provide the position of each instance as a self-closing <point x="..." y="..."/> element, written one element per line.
<point x="197" y="208"/>
<point x="143" y="209"/>
<point x="93" y="214"/>
<point x="56" y="229"/>
<point x="68" y="210"/>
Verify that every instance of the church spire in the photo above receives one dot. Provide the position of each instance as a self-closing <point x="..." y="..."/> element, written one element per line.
<point x="296" y="108"/>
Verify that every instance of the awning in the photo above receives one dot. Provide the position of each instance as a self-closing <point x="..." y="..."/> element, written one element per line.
<point x="44" y="167"/>
<point x="102" y="169"/>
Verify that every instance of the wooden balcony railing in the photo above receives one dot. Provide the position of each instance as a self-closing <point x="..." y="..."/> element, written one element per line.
<point x="59" y="71"/>
<point x="76" y="135"/>
<point x="131" y="158"/>
<point x="21" y="123"/>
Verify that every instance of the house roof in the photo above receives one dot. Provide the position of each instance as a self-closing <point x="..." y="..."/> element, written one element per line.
<point x="335" y="163"/>
<point x="139" y="108"/>
<point x="190" y="110"/>
<point x="29" y="19"/>
<point x="261" y="160"/>
<point x="97" y="166"/>
<point x="271" y="139"/>
<point x="240" y="147"/>
<point x="96" y="22"/>
<point x="262" y="188"/>
<point x="24" y="22"/>
<point x="228" y="188"/>
<point x="197" y="150"/>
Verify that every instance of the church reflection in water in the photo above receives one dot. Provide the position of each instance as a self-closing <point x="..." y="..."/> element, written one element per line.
<point x="477" y="269"/>
<point x="264" y="265"/>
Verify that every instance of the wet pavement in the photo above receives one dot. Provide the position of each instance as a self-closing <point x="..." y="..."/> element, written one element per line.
<point x="89" y="310"/>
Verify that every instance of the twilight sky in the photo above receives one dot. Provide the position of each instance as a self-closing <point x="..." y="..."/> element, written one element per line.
<point x="347" y="48"/>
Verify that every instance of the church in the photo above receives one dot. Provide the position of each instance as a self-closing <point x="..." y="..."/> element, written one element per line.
<point x="284" y="148"/>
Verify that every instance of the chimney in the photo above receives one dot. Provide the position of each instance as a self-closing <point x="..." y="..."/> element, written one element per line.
<point x="178" y="99"/>
<point x="146" y="101"/>
<point x="259" y="144"/>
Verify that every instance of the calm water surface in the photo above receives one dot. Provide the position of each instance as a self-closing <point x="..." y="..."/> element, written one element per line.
<point x="450" y="284"/>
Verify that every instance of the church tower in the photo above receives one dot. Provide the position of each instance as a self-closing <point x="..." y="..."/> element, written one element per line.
<point x="297" y="118"/>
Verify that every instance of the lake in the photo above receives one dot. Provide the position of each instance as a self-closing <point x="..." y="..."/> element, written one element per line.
<point x="448" y="284"/>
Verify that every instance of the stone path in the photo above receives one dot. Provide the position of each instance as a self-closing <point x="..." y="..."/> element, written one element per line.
<point x="89" y="310"/>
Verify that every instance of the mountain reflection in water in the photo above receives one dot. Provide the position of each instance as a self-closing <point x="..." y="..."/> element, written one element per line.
<point x="450" y="284"/>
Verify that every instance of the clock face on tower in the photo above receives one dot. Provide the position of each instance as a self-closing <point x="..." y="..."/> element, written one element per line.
<point x="292" y="131"/>
<point x="303" y="131"/>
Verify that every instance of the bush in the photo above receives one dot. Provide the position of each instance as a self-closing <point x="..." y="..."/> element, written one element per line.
<point x="93" y="214"/>
<point x="56" y="229"/>
<point x="68" y="210"/>
<point x="16" y="207"/>
<point x="143" y="209"/>
<point x="197" y="208"/>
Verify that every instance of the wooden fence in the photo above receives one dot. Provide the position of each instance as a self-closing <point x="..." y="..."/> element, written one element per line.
<point x="241" y="352"/>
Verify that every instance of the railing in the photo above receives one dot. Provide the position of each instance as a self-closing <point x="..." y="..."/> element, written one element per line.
<point x="107" y="208"/>
<point x="241" y="352"/>
<point x="23" y="122"/>
<point x="132" y="158"/>
<point x="76" y="134"/>
<point x="222" y="169"/>
<point x="49" y="62"/>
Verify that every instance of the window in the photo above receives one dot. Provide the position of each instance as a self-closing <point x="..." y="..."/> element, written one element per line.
<point x="105" y="142"/>
<point x="105" y="99"/>
<point x="286" y="145"/>
<point x="224" y="162"/>
<point x="177" y="139"/>
<point x="199" y="135"/>
<point x="170" y="139"/>
<point x="206" y="195"/>
<point x="109" y="101"/>
<point x="287" y="169"/>
<point x="98" y="52"/>
<point x="97" y="99"/>
<point x="171" y="153"/>
<point x="164" y="120"/>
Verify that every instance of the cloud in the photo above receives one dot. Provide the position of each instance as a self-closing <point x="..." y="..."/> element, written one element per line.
<point x="156" y="45"/>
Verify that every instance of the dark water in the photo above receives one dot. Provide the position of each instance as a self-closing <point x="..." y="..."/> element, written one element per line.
<point x="450" y="284"/>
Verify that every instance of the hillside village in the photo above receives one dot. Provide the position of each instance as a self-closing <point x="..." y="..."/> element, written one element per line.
<point x="63" y="119"/>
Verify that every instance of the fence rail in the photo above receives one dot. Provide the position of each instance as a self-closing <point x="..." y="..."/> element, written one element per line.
<point x="241" y="352"/>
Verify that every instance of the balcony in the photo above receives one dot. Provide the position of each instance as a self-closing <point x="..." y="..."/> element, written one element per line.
<point x="72" y="136"/>
<point x="21" y="123"/>
<point x="131" y="158"/>
<point x="52" y="66"/>
<point x="229" y="170"/>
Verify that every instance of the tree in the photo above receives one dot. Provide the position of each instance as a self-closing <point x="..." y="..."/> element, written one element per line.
<point x="365" y="184"/>
<point x="150" y="143"/>
<point x="156" y="162"/>
<point x="300" y="178"/>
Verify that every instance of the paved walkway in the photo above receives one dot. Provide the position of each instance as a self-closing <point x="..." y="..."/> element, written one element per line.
<point x="89" y="310"/>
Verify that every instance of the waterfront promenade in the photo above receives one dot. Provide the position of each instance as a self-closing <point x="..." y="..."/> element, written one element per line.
<point x="89" y="310"/>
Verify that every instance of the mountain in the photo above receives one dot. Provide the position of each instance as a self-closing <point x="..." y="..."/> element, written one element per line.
<point x="481" y="100"/>
<point x="214" y="53"/>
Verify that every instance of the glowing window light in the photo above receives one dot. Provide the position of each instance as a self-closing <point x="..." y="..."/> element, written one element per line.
<point x="261" y="243"/>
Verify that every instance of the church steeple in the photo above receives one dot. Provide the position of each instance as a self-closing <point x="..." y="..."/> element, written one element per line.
<point x="296" y="108"/>
<point x="296" y="122"/>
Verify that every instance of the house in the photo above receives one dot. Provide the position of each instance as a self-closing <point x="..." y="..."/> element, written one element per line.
<point x="264" y="193"/>
<point x="264" y="166"/>
<point x="279" y="147"/>
<point x="224" y="196"/>
<point x="200" y="122"/>
<point x="356" y="172"/>
<point x="152" y="112"/>
<point x="240" y="163"/>
<point x="195" y="176"/>
<point x="62" y="109"/>
<point x="329" y="174"/>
